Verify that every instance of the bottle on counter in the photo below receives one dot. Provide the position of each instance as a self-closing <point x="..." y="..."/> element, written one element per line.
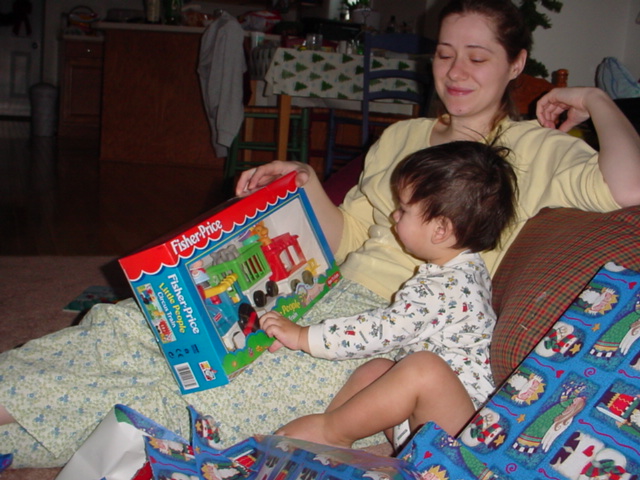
<point x="344" y="13"/>
<point x="153" y="11"/>
<point x="391" y="26"/>
<point x="172" y="12"/>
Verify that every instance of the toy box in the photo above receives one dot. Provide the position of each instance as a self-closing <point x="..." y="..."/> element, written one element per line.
<point x="202" y="290"/>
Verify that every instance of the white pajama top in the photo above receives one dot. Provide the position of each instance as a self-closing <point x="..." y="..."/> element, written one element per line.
<point x="442" y="309"/>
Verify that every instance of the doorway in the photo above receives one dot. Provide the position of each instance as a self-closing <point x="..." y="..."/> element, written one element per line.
<point x="21" y="26"/>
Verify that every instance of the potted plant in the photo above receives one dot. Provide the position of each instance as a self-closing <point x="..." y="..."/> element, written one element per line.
<point x="362" y="12"/>
<point x="535" y="19"/>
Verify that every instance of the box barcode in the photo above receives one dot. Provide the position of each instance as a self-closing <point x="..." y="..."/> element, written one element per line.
<point x="186" y="376"/>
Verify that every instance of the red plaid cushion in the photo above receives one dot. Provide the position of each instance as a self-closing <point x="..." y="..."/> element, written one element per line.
<point x="554" y="257"/>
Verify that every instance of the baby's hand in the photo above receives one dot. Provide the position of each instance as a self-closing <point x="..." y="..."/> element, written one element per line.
<point x="286" y="333"/>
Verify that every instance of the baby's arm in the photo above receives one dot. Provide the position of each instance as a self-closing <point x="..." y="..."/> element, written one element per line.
<point x="286" y="333"/>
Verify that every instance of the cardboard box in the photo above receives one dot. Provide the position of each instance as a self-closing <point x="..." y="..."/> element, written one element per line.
<point x="269" y="457"/>
<point x="203" y="289"/>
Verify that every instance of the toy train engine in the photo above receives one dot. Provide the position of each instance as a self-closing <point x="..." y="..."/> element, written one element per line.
<point x="285" y="258"/>
<point x="250" y="266"/>
<point x="231" y="312"/>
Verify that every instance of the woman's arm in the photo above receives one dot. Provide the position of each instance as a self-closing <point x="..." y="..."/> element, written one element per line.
<point x="329" y="216"/>
<point x="619" y="156"/>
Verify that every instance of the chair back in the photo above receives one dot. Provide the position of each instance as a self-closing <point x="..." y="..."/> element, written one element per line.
<point x="527" y="90"/>
<point x="398" y="43"/>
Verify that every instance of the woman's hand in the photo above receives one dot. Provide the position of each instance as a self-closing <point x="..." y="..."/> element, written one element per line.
<point x="254" y="178"/>
<point x="328" y="214"/>
<point x="619" y="142"/>
<point x="286" y="333"/>
<point x="559" y="100"/>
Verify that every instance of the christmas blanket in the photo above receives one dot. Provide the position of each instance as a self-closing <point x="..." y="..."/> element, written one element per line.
<point x="571" y="410"/>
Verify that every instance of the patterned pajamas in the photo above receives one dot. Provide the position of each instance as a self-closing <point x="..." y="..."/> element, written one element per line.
<point x="59" y="387"/>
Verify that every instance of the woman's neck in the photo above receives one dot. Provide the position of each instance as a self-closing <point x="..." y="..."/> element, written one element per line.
<point x="450" y="128"/>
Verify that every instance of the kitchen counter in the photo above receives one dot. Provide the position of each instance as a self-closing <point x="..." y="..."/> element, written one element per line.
<point x="152" y="108"/>
<point x="148" y="27"/>
<point x="153" y="27"/>
<point x="98" y="38"/>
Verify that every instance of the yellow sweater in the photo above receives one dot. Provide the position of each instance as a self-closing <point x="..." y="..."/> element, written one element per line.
<point x="553" y="169"/>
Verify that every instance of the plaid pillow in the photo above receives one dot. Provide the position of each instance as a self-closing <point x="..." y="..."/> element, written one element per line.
<point x="555" y="255"/>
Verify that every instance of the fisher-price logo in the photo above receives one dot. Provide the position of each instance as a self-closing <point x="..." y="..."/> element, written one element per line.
<point x="205" y="231"/>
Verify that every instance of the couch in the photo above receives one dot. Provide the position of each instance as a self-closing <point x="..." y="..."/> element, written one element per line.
<point x="552" y="260"/>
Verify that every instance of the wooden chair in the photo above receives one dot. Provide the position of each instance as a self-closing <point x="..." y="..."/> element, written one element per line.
<point x="246" y="141"/>
<point x="398" y="43"/>
<point x="527" y="90"/>
<point x="251" y="138"/>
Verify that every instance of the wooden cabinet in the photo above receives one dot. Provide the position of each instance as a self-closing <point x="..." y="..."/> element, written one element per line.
<point x="152" y="108"/>
<point x="80" y="88"/>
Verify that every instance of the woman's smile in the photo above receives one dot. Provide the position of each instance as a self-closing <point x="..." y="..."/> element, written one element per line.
<point x="458" y="91"/>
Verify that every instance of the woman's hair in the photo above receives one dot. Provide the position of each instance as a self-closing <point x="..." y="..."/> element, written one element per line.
<point x="510" y="30"/>
<point x="470" y="183"/>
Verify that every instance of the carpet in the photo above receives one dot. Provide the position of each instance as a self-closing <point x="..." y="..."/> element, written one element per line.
<point x="35" y="291"/>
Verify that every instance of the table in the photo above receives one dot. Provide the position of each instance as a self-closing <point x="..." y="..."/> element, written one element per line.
<point x="324" y="75"/>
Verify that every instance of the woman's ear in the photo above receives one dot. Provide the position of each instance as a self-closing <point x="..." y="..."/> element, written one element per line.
<point x="518" y="64"/>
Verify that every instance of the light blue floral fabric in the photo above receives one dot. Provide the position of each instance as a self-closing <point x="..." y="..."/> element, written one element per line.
<point x="59" y="387"/>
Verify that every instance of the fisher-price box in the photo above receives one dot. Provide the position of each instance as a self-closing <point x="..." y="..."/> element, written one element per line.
<point x="203" y="290"/>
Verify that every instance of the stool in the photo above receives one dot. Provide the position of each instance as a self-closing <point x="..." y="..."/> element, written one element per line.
<point x="298" y="146"/>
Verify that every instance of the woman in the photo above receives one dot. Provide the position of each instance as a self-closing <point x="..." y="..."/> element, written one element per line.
<point x="56" y="389"/>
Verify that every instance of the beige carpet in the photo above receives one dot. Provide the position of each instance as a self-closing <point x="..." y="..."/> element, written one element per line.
<point x="35" y="291"/>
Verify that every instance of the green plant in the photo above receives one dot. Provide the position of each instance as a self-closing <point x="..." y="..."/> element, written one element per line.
<point x="353" y="4"/>
<point x="534" y="19"/>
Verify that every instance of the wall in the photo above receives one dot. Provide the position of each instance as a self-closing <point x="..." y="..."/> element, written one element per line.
<point x="585" y="32"/>
<point x="631" y="56"/>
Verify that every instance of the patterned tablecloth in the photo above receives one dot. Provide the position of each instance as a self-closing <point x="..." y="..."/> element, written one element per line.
<point x="320" y="74"/>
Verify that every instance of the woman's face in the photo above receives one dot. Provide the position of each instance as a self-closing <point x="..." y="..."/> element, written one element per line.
<point x="471" y="69"/>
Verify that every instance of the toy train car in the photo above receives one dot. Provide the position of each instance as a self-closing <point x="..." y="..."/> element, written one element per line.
<point x="241" y="279"/>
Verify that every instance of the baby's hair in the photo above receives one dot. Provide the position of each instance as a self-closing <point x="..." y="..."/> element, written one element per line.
<point x="470" y="183"/>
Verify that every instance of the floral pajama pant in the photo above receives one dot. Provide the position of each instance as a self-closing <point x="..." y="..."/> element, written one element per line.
<point x="60" y="387"/>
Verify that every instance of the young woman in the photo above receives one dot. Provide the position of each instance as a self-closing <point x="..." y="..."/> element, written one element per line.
<point x="55" y="390"/>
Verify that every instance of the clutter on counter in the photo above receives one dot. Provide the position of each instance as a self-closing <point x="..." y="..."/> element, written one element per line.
<point x="262" y="26"/>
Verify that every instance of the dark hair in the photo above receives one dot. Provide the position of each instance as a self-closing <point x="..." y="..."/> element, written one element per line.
<point x="470" y="183"/>
<point x="510" y="30"/>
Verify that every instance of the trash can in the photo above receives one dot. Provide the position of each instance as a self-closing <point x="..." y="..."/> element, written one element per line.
<point x="44" y="109"/>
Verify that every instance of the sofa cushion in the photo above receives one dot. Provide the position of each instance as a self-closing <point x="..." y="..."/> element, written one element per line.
<point x="340" y="182"/>
<point x="555" y="255"/>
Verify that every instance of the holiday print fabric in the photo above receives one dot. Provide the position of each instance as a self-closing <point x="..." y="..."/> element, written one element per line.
<point x="309" y="73"/>
<point x="571" y="410"/>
